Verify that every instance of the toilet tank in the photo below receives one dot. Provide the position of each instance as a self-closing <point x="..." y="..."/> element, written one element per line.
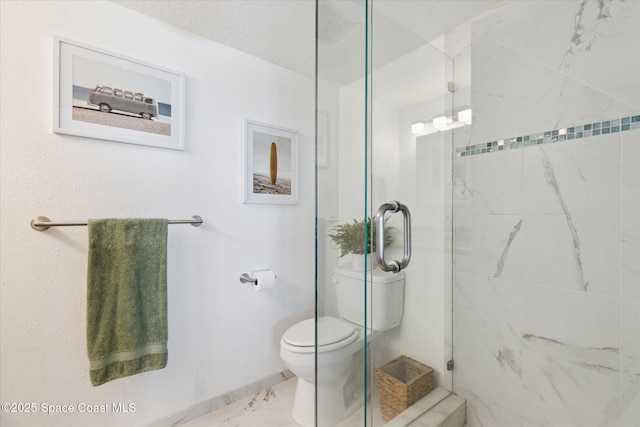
<point x="385" y="297"/>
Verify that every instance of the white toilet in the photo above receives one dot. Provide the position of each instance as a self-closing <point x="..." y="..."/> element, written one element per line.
<point x="338" y="342"/>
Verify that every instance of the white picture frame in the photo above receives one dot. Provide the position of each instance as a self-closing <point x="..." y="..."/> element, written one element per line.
<point x="322" y="140"/>
<point x="81" y="74"/>
<point x="270" y="164"/>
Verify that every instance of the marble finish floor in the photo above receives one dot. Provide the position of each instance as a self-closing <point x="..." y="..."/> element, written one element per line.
<point x="272" y="407"/>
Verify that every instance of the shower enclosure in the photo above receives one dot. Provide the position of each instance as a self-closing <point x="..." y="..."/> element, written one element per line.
<point x="511" y="132"/>
<point x="367" y="158"/>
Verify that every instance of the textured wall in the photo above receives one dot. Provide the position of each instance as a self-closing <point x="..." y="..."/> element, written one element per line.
<point x="217" y="327"/>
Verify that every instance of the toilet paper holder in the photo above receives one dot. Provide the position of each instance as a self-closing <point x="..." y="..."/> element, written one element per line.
<point x="245" y="278"/>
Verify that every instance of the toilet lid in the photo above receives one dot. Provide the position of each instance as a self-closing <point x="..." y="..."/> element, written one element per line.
<point x="330" y="331"/>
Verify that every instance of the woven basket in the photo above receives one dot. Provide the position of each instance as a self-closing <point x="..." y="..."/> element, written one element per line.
<point x="401" y="383"/>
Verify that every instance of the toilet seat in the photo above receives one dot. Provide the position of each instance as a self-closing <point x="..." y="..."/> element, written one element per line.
<point x="332" y="334"/>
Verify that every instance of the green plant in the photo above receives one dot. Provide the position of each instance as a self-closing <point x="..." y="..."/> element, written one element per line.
<point x="350" y="237"/>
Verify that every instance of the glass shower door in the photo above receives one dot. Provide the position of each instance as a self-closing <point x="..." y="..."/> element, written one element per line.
<point x="380" y="87"/>
<point x="410" y="163"/>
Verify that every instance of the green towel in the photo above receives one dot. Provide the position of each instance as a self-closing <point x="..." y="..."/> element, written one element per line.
<point x="126" y="297"/>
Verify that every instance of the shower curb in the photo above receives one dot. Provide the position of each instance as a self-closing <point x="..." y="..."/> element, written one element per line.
<point x="443" y="409"/>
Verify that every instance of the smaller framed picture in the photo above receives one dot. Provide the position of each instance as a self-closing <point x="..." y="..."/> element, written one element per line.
<point x="103" y="95"/>
<point x="270" y="164"/>
<point x="322" y="142"/>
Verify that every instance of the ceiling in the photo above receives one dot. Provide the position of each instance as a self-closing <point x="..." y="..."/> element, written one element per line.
<point x="282" y="32"/>
<point x="278" y="31"/>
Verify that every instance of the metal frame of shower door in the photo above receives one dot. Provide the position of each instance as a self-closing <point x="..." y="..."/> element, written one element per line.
<point x="367" y="205"/>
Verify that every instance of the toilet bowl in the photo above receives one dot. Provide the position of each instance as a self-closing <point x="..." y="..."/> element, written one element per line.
<point x="331" y="370"/>
<point x="338" y="342"/>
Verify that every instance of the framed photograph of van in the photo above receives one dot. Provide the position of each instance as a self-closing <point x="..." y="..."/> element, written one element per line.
<point x="103" y="95"/>
<point x="270" y="164"/>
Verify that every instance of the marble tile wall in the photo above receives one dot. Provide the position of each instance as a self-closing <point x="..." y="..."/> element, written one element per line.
<point x="547" y="235"/>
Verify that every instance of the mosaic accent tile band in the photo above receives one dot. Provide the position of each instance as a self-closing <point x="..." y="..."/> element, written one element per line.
<point x="583" y="131"/>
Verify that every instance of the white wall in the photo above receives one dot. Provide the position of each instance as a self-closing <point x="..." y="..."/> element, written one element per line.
<point x="328" y="184"/>
<point x="221" y="334"/>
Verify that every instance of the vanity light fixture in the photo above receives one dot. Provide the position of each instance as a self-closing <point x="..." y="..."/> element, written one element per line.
<point x="417" y="127"/>
<point x="464" y="116"/>
<point x="440" y="123"/>
<point x="443" y="122"/>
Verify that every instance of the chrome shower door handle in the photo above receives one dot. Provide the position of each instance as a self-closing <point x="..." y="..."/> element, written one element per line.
<point x="394" y="266"/>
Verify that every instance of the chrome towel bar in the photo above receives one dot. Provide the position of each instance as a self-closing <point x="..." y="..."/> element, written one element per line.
<point x="43" y="223"/>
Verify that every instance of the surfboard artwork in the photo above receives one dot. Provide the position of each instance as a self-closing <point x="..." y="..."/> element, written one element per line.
<point x="271" y="159"/>
<point x="273" y="163"/>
